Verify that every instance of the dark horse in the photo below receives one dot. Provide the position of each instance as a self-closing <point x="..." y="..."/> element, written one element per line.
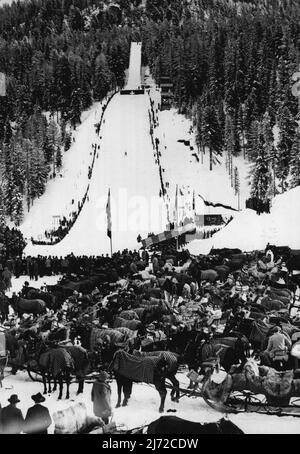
<point x="149" y="367"/>
<point x="58" y="363"/>
<point x="34" y="306"/>
<point x="230" y="350"/>
<point x="178" y="426"/>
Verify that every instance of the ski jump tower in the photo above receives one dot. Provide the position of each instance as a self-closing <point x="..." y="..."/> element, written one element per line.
<point x="134" y="85"/>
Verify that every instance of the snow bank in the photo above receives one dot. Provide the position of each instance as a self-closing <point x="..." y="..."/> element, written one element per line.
<point x="249" y="231"/>
<point x="144" y="397"/>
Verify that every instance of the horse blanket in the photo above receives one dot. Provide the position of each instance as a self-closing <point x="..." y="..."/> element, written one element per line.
<point x="99" y="335"/>
<point x="170" y="357"/>
<point x="131" y="324"/>
<point x="128" y="333"/>
<point x="79" y="357"/>
<point x="140" y="366"/>
<point x="56" y="360"/>
<point x="139" y="369"/>
<point x="129" y="315"/>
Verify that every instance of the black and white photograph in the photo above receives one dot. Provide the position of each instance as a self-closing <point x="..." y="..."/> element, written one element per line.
<point x="149" y="219"/>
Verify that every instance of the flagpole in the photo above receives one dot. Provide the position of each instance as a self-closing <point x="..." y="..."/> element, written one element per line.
<point x="176" y="207"/>
<point x="109" y="227"/>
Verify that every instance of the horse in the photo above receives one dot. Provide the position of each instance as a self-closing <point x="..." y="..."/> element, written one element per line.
<point x="34" y="306"/>
<point x="135" y="325"/>
<point x="148" y="367"/>
<point x="154" y="312"/>
<point x="271" y="304"/>
<point x="129" y="315"/>
<point x="230" y="350"/>
<point x="49" y="298"/>
<point x="177" y="426"/>
<point x="58" y="363"/>
<point x="209" y="275"/>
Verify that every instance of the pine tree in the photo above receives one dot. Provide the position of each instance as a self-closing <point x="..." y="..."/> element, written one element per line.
<point x="287" y="129"/>
<point x="271" y="152"/>
<point x="260" y="173"/>
<point x="53" y="142"/>
<point x="75" y="107"/>
<point x="58" y="158"/>
<point x="211" y="134"/>
<point x="295" y="161"/>
<point x="103" y="77"/>
<point x="237" y="185"/>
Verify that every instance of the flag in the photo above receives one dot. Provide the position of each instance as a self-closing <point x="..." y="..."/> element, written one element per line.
<point x="2" y="85"/>
<point x="108" y="213"/>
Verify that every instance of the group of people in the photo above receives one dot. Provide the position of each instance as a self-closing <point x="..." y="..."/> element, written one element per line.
<point x="191" y="289"/>
<point x="57" y="234"/>
<point x="38" y="420"/>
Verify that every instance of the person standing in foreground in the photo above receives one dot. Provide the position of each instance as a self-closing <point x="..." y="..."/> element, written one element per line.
<point x="38" y="418"/>
<point x="12" y="421"/>
<point x="101" y="397"/>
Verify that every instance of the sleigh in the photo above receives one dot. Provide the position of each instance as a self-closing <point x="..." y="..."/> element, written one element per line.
<point x="256" y="389"/>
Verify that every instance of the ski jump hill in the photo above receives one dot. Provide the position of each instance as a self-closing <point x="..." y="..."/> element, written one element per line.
<point x="125" y="164"/>
<point x="134" y="86"/>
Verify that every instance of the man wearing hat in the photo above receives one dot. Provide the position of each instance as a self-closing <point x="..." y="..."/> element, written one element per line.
<point x="101" y="397"/>
<point x="38" y="418"/>
<point x="12" y="421"/>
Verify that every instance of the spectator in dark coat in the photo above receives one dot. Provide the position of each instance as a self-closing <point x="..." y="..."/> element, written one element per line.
<point x="36" y="269"/>
<point x="38" y="418"/>
<point x="6" y="276"/>
<point x="101" y="397"/>
<point x="12" y="421"/>
<point x="4" y="307"/>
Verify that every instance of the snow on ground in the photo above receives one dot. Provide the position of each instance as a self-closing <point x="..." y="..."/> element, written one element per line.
<point x="6" y="2"/>
<point x="182" y="168"/>
<point x="249" y="231"/>
<point x="17" y="283"/>
<point x="126" y="166"/>
<point x="143" y="406"/>
<point x="134" y="76"/>
<point x="71" y="182"/>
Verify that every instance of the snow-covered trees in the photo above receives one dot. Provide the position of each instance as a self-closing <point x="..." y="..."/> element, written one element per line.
<point x="287" y="129"/>
<point x="237" y="186"/>
<point x="260" y="173"/>
<point x="211" y="134"/>
<point x="245" y="59"/>
<point x="295" y="161"/>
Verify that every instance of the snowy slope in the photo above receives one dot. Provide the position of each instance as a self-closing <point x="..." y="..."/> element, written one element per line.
<point x="70" y="185"/>
<point x="248" y="231"/>
<point x="133" y="180"/>
<point x="135" y="61"/>
<point x="182" y="168"/>
<point x="126" y="165"/>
